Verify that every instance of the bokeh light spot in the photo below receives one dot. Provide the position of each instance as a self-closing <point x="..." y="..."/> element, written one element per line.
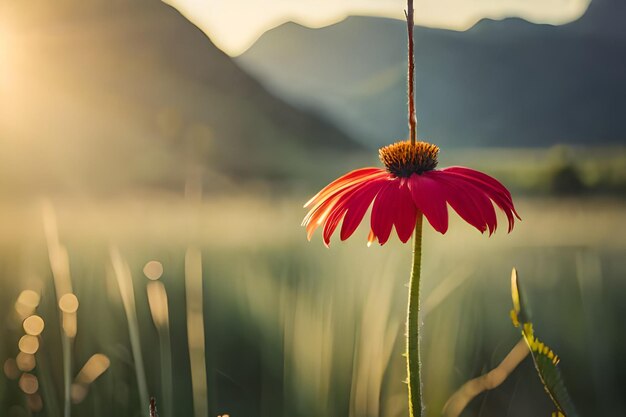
<point x="33" y="325"/>
<point x="25" y="361"/>
<point x="29" y="383"/>
<point x="94" y="367"/>
<point x="10" y="369"/>
<point x="153" y="270"/>
<point x="29" y="298"/>
<point x="27" y="302"/>
<point x="68" y="303"/>
<point x="28" y="344"/>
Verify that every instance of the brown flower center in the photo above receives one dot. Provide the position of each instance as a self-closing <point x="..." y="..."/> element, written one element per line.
<point x="404" y="159"/>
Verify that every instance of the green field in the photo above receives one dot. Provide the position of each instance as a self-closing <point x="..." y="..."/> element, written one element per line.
<point x="294" y="329"/>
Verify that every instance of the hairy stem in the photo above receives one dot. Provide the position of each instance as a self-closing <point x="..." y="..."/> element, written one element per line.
<point x="411" y="81"/>
<point x="413" y="364"/>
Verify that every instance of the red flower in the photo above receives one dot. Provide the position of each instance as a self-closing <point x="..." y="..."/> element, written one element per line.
<point x="410" y="186"/>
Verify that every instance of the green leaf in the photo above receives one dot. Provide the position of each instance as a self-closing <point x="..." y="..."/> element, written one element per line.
<point x="545" y="360"/>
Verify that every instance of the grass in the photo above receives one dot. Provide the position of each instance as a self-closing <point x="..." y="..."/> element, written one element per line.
<point x="294" y="329"/>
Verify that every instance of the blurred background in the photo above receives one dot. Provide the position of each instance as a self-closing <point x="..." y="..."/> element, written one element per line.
<point x="154" y="162"/>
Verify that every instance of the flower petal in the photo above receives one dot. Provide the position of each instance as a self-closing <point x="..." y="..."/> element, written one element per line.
<point x="405" y="213"/>
<point x="469" y="201"/>
<point x="319" y="215"/>
<point x="351" y="178"/>
<point x="329" y="208"/>
<point x="491" y="187"/>
<point x="428" y="195"/>
<point x="333" y="221"/>
<point x="479" y="176"/>
<point x="382" y="212"/>
<point x="393" y="207"/>
<point x="357" y="206"/>
<point x="324" y="202"/>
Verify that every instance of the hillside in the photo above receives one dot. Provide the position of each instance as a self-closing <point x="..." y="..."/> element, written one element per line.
<point x="111" y="94"/>
<point x="500" y="83"/>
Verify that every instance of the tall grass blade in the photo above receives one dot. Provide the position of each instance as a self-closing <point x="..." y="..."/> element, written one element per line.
<point x="157" y="300"/>
<point x="195" y="331"/>
<point x="60" y="266"/>
<point x="125" y="283"/>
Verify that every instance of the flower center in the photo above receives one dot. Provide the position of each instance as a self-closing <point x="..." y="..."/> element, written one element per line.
<point x="404" y="158"/>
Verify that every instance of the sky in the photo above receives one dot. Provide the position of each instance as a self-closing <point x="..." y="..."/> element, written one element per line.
<point x="234" y="25"/>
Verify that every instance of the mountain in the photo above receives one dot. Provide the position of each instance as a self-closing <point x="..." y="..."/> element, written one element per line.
<point x="108" y="93"/>
<point x="500" y="83"/>
<point x="604" y="18"/>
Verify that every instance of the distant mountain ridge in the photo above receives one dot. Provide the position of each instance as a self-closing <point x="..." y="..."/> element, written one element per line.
<point x="500" y="83"/>
<point x="603" y="17"/>
<point x="129" y="91"/>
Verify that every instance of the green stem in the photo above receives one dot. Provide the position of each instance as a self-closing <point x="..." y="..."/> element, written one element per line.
<point x="413" y="364"/>
<point x="411" y="81"/>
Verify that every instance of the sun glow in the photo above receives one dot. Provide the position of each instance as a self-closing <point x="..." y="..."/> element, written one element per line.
<point x="3" y="53"/>
<point x="4" y="81"/>
<point x="6" y="58"/>
<point x="10" y="71"/>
